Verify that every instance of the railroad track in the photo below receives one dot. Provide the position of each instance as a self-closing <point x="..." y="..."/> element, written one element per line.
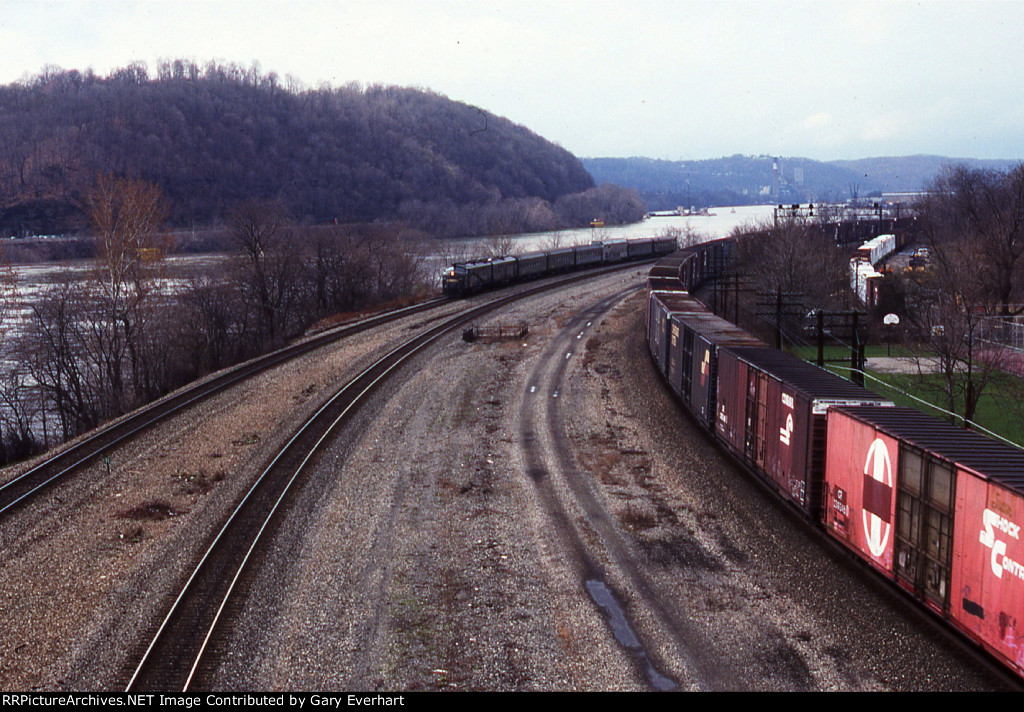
<point x="21" y="490"/>
<point x="178" y="656"/>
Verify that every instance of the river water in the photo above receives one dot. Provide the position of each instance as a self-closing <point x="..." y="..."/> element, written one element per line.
<point x="33" y="280"/>
<point x="719" y="222"/>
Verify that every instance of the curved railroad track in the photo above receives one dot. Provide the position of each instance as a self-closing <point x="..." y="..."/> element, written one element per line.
<point x="178" y="653"/>
<point x="19" y="491"/>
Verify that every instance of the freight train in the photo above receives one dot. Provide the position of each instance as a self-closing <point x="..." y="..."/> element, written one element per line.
<point x="933" y="508"/>
<point x="865" y="279"/>
<point x="465" y="278"/>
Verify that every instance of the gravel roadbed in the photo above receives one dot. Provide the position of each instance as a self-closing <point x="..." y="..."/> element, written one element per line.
<point x="418" y="554"/>
<point x="85" y="572"/>
<point x="418" y="558"/>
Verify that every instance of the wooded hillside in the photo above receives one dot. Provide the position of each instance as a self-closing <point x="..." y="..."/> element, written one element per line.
<point x="214" y="136"/>
<point x="750" y="180"/>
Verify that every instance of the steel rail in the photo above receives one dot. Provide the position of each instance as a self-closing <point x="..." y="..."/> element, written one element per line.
<point x="176" y="635"/>
<point x="19" y="489"/>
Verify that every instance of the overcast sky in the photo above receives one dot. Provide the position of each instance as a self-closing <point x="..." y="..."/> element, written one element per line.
<point x="672" y="79"/>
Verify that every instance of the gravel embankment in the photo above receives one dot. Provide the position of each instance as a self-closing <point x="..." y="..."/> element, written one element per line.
<point x="90" y="566"/>
<point x="420" y="555"/>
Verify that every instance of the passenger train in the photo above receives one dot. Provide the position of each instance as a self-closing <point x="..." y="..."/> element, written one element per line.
<point x="465" y="278"/>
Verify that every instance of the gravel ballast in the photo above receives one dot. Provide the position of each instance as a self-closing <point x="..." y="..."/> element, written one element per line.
<point x="421" y="555"/>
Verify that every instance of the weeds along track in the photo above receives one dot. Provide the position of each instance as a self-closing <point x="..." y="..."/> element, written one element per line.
<point x="21" y="491"/>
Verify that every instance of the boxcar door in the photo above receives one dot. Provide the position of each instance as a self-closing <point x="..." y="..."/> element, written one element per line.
<point x="757" y="415"/>
<point x="924" y="526"/>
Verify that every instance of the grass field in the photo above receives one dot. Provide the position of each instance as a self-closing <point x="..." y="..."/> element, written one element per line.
<point x="1000" y="410"/>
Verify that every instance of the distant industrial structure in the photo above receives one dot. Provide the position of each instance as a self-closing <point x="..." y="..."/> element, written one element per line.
<point x="785" y="190"/>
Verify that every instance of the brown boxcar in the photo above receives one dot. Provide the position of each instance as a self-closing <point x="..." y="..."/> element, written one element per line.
<point x="693" y="358"/>
<point x="772" y="413"/>
<point x="665" y="274"/>
<point x="937" y="508"/>
<point x="661" y="306"/>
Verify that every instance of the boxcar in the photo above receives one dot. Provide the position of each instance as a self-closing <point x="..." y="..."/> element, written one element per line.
<point x="664" y="276"/>
<point x="772" y="413"/>
<point x="875" y="249"/>
<point x="693" y="363"/>
<point x="714" y="258"/>
<point x="691" y="269"/>
<point x="661" y="306"/>
<point x="939" y="510"/>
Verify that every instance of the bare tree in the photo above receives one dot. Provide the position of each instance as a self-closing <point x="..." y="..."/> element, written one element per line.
<point x="8" y="286"/>
<point x="948" y="307"/>
<point x="553" y="241"/>
<point x="500" y="245"/>
<point x="55" y="352"/>
<point x="794" y="256"/>
<point x="209" y="324"/>
<point x="986" y="209"/>
<point x="16" y="404"/>
<point x="268" y="269"/>
<point x="125" y="215"/>
<point x="19" y="408"/>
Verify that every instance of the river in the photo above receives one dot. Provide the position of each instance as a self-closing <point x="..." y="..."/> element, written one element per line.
<point x="719" y="222"/>
<point x="34" y="279"/>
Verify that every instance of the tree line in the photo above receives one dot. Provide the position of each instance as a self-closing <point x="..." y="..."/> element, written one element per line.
<point x="956" y="306"/>
<point x="98" y="345"/>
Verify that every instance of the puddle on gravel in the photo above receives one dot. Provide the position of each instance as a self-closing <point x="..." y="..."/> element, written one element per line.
<point x="623" y="633"/>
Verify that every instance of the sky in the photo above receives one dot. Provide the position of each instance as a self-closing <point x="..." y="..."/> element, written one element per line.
<point x="669" y="79"/>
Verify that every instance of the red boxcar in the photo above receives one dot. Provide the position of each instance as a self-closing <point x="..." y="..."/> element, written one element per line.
<point x="860" y="478"/>
<point x="939" y="509"/>
<point x="772" y="413"/>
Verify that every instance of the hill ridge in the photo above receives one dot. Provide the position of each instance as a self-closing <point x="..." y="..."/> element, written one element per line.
<point x="214" y="136"/>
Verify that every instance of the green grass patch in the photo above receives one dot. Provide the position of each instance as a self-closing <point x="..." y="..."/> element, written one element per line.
<point x="1000" y="409"/>
<point x="842" y="353"/>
